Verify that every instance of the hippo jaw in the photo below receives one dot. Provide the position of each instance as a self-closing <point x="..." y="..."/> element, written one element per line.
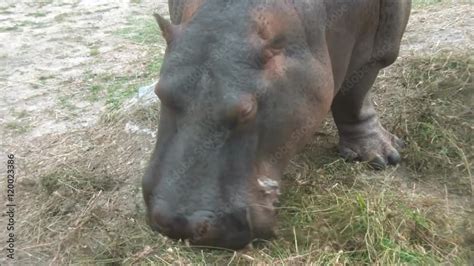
<point x="232" y="225"/>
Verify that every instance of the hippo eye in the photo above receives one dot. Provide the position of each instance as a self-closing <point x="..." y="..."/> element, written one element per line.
<point x="279" y="42"/>
<point x="273" y="48"/>
<point x="247" y="110"/>
<point x="243" y="111"/>
<point x="160" y="92"/>
<point x="167" y="97"/>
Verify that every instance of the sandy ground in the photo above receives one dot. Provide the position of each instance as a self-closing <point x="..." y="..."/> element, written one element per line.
<point x="434" y="29"/>
<point x="49" y="48"/>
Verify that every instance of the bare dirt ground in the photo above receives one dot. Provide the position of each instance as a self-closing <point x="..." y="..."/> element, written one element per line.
<point x="54" y="58"/>
<point x="49" y="48"/>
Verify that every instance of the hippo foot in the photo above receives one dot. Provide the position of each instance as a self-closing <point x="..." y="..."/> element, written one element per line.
<point x="380" y="148"/>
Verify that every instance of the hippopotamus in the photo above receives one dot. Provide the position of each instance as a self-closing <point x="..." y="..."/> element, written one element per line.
<point x="243" y="87"/>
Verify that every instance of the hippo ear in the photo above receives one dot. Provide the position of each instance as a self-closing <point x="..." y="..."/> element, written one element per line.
<point x="167" y="29"/>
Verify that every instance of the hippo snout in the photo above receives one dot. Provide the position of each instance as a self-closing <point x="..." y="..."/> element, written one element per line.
<point x="203" y="228"/>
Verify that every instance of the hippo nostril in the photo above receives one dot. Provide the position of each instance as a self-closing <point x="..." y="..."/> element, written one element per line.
<point x="166" y="222"/>
<point x="201" y="223"/>
<point x="227" y="230"/>
<point x="202" y="229"/>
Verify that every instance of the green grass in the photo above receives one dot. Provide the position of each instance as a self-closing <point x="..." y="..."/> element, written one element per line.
<point x="154" y="66"/>
<point x="19" y="127"/>
<point x="38" y="14"/>
<point x="21" y="24"/>
<point x="21" y="114"/>
<point x="43" y="3"/>
<point x="95" y="92"/>
<point x="94" y="51"/>
<point x="361" y="227"/>
<point x="61" y="17"/>
<point x="319" y="223"/>
<point x="44" y="78"/>
<point x="65" y="102"/>
<point x="142" y="30"/>
<point x="440" y="135"/>
<point x="117" y="89"/>
<point x="424" y="3"/>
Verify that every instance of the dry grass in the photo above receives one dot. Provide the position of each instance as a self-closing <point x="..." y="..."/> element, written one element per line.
<point x="84" y="201"/>
<point x="441" y="137"/>
<point x="81" y="199"/>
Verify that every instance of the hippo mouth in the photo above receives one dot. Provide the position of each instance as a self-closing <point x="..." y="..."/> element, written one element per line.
<point x="270" y="186"/>
<point x="270" y="189"/>
<point x="205" y="229"/>
<point x="233" y="229"/>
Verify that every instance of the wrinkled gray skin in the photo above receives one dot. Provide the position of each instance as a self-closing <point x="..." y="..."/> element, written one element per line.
<point x="243" y="86"/>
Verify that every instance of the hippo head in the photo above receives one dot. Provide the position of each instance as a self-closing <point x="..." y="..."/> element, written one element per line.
<point x="239" y="92"/>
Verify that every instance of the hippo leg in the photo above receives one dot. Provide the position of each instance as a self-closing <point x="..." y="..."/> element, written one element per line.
<point x="362" y="137"/>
